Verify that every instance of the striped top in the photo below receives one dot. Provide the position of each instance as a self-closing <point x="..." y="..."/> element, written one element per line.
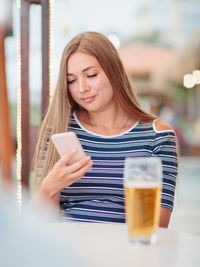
<point x="99" y="195"/>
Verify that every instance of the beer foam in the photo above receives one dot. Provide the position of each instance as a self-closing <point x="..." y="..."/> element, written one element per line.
<point x="141" y="184"/>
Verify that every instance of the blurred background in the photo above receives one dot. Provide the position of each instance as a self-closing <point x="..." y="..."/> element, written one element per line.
<point x="159" y="44"/>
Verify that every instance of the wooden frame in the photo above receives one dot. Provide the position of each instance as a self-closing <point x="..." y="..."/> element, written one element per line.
<point x="25" y="101"/>
<point x="6" y="142"/>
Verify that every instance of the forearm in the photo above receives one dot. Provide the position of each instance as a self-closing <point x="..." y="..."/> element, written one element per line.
<point x="46" y="200"/>
<point x="60" y="176"/>
<point x="165" y="215"/>
<point x="44" y="195"/>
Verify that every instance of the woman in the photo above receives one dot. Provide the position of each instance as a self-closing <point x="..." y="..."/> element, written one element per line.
<point x="95" y="100"/>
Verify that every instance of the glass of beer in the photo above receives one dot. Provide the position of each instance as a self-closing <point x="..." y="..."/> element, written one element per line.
<point x="142" y="185"/>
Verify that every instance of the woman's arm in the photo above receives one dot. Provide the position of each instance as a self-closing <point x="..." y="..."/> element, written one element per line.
<point x="165" y="215"/>
<point x="166" y="149"/>
<point x="59" y="177"/>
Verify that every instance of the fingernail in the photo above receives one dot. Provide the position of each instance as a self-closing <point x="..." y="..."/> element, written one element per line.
<point x="74" y="149"/>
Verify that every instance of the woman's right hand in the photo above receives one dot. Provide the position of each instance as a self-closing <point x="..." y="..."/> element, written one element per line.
<point x="63" y="175"/>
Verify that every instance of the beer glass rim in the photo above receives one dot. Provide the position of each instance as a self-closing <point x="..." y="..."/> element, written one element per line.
<point x="142" y="170"/>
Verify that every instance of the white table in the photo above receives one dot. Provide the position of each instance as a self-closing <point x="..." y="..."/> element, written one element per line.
<point x="107" y="244"/>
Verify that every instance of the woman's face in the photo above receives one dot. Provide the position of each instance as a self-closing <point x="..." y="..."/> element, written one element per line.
<point x="88" y="84"/>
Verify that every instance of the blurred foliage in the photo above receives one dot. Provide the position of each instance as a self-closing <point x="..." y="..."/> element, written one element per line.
<point x="34" y="116"/>
<point x="178" y="93"/>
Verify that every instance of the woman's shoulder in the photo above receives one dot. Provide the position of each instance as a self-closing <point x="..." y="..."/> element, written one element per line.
<point x="157" y="125"/>
<point x="162" y="126"/>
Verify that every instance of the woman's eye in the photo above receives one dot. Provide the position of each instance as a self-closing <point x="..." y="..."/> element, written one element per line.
<point x="92" y="75"/>
<point x="70" y="81"/>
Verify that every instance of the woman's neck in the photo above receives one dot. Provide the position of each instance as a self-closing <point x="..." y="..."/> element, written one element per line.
<point x="107" y="123"/>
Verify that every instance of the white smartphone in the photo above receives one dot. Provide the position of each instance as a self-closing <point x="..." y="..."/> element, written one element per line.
<point x="64" y="142"/>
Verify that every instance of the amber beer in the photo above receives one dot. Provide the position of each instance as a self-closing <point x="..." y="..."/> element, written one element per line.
<point x="142" y="186"/>
<point x="142" y="203"/>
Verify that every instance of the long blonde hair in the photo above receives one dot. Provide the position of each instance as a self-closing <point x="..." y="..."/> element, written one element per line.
<point x="57" y="117"/>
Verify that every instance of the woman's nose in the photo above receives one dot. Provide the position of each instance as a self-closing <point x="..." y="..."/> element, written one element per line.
<point x="83" y="86"/>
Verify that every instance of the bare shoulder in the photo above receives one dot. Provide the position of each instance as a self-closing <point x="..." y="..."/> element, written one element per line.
<point x="160" y="125"/>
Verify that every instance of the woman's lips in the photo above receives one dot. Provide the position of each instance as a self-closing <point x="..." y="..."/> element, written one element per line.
<point x="88" y="99"/>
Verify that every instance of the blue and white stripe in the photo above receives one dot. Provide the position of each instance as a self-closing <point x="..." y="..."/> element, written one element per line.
<point x="99" y="195"/>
